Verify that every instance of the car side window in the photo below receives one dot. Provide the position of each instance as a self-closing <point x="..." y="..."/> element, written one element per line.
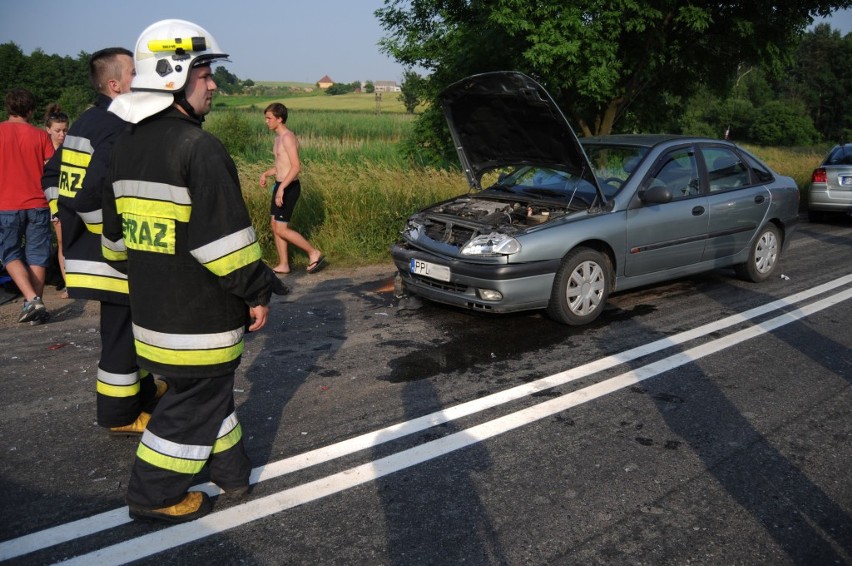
<point x="678" y="171"/>
<point x="725" y="169"/>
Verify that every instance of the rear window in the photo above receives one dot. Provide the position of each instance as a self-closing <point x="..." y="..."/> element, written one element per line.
<point x="840" y="155"/>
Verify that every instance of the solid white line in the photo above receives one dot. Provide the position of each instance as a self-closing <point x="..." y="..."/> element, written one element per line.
<point x="162" y="540"/>
<point x="83" y="527"/>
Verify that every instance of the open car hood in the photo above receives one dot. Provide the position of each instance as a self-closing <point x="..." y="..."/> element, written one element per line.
<point x="505" y="119"/>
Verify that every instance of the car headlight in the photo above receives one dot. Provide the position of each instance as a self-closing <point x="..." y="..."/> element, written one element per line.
<point x="413" y="230"/>
<point x="492" y="244"/>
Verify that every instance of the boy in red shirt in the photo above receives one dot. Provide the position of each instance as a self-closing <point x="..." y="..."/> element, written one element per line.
<point x="24" y="214"/>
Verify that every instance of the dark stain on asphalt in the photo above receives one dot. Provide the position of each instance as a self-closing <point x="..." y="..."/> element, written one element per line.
<point x="474" y="342"/>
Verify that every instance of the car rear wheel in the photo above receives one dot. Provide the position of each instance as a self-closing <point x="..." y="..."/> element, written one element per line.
<point x="581" y="287"/>
<point x="763" y="257"/>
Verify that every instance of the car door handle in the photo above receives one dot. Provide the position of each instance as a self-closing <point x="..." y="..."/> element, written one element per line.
<point x="759" y="199"/>
<point x="698" y="211"/>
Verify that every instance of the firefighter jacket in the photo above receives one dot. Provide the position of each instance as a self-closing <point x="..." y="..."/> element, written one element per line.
<point x="193" y="260"/>
<point x="74" y="182"/>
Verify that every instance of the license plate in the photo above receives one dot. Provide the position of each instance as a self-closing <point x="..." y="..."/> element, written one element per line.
<point x="846" y="180"/>
<point x="439" y="272"/>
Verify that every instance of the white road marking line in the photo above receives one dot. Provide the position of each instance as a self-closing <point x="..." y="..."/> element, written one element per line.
<point x="147" y="545"/>
<point x="110" y="519"/>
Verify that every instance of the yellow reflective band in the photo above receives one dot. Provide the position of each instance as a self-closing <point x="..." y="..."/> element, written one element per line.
<point x="147" y="234"/>
<point x="173" y="357"/>
<point x="74" y="158"/>
<point x="54" y="206"/>
<point x="225" y="245"/>
<point x="118" y="390"/>
<point x="152" y="199"/>
<point x="110" y="255"/>
<point x="94" y="220"/>
<point x="153" y="208"/>
<point x="179" y="465"/>
<point x="87" y="281"/>
<point x="229" y="440"/>
<point x="236" y="260"/>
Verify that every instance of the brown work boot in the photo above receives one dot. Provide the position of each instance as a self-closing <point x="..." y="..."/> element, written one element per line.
<point x="162" y="387"/>
<point x="135" y="428"/>
<point x="195" y="505"/>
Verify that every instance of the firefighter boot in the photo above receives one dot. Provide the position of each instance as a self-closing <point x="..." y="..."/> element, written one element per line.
<point x="135" y="428"/>
<point x="195" y="505"/>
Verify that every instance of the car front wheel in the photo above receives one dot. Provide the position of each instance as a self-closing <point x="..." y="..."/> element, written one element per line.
<point x="581" y="287"/>
<point x="763" y="257"/>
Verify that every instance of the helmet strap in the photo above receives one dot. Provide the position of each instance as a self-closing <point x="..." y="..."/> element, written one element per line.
<point x="180" y="100"/>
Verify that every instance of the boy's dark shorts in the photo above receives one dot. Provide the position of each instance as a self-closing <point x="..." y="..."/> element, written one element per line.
<point x="291" y="195"/>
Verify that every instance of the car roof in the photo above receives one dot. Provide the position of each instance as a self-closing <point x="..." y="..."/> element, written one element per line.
<point x="644" y="140"/>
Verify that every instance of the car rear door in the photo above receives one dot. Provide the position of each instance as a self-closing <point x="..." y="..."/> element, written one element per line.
<point x="738" y="202"/>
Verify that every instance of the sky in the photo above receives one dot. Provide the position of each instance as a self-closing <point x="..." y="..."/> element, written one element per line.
<point x="287" y="40"/>
<point x="284" y="40"/>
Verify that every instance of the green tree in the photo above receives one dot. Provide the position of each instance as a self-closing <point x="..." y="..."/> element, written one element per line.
<point x="412" y="90"/>
<point x="340" y="88"/>
<point x="783" y="123"/>
<point x="369" y="87"/>
<point x="823" y="80"/>
<point x="227" y="82"/>
<point x="602" y="62"/>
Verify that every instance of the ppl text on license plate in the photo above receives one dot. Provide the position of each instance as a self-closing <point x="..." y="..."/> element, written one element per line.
<point x="431" y="270"/>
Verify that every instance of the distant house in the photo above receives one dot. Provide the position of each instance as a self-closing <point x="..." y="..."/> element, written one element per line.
<point x="325" y="82"/>
<point x="387" y="86"/>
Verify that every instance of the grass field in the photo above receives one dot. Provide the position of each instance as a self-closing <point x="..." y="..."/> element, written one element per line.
<point x="318" y="100"/>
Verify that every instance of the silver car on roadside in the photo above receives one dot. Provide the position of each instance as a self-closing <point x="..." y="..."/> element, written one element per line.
<point x="552" y="222"/>
<point x="831" y="184"/>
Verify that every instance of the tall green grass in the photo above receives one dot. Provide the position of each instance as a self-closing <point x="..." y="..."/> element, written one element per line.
<point x="353" y="212"/>
<point x="351" y="137"/>
<point x="795" y="162"/>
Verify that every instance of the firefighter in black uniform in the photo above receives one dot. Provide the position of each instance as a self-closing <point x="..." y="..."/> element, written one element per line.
<point x="74" y="181"/>
<point x="194" y="266"/>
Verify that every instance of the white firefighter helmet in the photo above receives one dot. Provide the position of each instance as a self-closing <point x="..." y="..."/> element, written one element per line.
<point x="167" y="50"/>
<point x="165" y="54"/>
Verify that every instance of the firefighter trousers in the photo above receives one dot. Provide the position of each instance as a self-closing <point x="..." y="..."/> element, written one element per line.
<point x="194" y="424"/>
<point x="124" y="390"/>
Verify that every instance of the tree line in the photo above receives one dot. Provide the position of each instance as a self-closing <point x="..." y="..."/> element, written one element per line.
<point x="747" y="70"/>
<point x="750" y="69"/>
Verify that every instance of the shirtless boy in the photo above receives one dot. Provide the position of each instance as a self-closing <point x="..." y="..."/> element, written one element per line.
<point x="286" y="191"/>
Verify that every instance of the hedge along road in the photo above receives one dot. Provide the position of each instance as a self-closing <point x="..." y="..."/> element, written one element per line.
<point x="612" y="373"/>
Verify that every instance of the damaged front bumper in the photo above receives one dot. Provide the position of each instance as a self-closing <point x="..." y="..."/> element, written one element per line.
<point x="498" y="288"/>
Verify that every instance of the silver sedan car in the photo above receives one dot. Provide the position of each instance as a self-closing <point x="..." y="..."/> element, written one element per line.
<point x="552" y="222"/>
<point x="831" y="184"/>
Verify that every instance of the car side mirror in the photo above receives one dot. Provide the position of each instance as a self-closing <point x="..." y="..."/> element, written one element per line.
<point x="656" y="194"/>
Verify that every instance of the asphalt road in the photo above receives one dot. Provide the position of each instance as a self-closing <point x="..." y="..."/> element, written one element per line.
<point x="704" y="421"/>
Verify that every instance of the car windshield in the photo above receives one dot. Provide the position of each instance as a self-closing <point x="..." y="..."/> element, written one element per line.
<point x="543" y="183"/>
<point x="613" y="164"/>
